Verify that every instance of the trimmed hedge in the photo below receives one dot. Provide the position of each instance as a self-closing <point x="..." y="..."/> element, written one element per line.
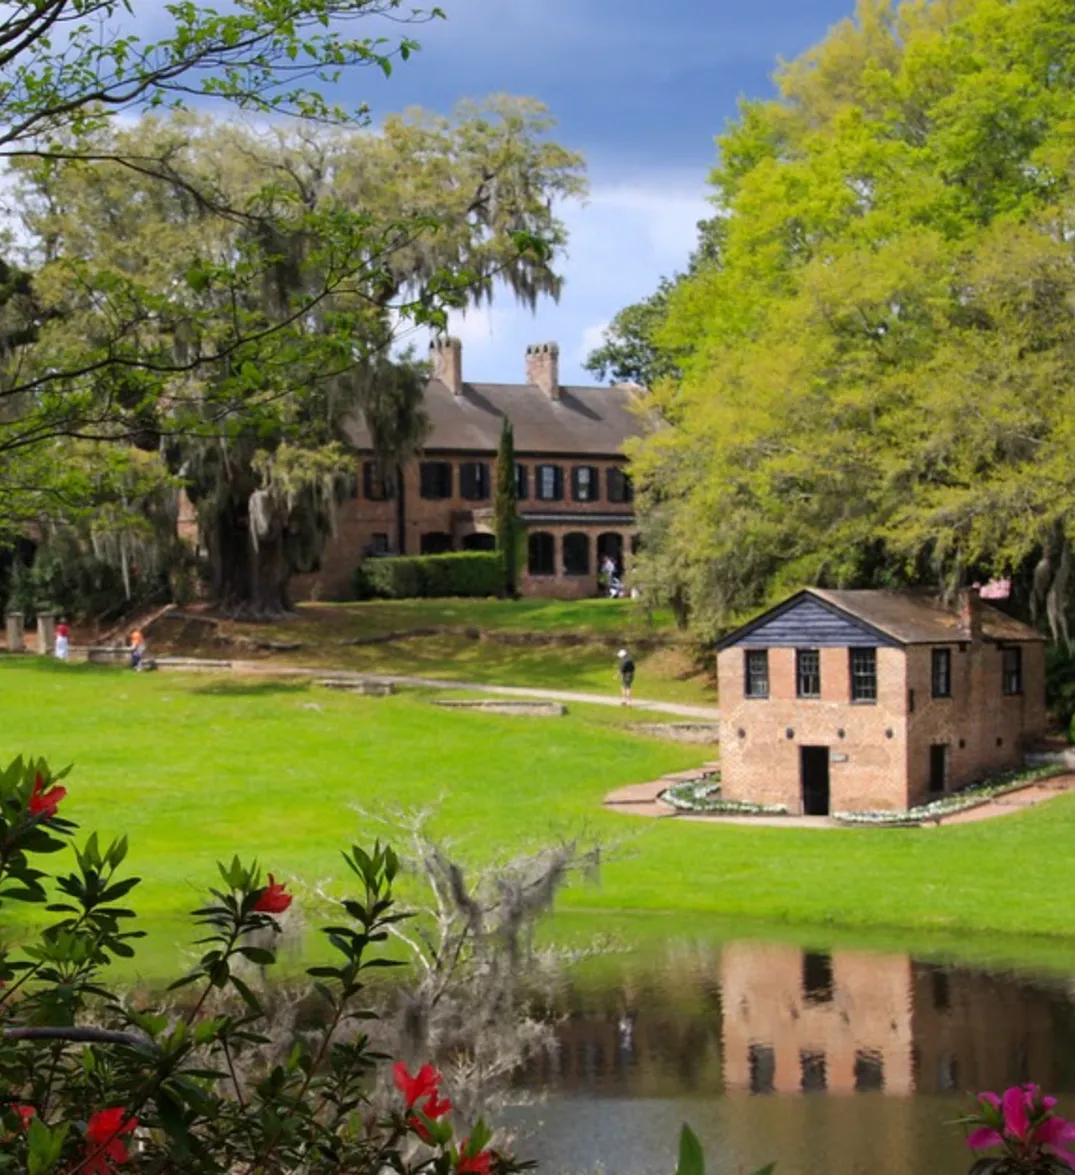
<point x="401" y="577"/>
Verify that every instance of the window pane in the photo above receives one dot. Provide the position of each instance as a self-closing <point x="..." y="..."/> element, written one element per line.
<point x="549" y="484"/>
<point x="1013" y="671"/>
<point x="869" y="1071"/>
<point x="808" y="673"/>
<point x="864" y="675"/>
<point x="762" y="1060"/>
<point x="435" y="478"/>
<point x="474" y="481"/>
<point x="942" y="673"/>
<point x="757" y="673"/>
<point x="817" y="978"/>
<point x="812" y="1065"/>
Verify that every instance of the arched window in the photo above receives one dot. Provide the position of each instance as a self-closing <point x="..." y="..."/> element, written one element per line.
<point x="576" y="554"/>
<point x="479" y="542"/>
<point x="541" y="552"/>
<point x="610" y="550"/>
<point x="435" y="542"/>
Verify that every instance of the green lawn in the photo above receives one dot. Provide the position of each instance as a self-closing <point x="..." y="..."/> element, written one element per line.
<point x="195" y="768"/>
<point x="664" y="674"/>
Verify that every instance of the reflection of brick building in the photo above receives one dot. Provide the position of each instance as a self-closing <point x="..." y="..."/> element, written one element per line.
<point x="797" y="1021"/>
<point x="574" y="495"/>
<point x="858" y="700"/>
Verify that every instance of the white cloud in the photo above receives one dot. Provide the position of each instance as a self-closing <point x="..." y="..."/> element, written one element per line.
<point x="622" y="241"/>
<point x="592" y="338"/>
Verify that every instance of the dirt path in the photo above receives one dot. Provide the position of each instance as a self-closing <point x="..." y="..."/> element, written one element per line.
<point x="643" y="799"/>
<point x="266" y="669"/>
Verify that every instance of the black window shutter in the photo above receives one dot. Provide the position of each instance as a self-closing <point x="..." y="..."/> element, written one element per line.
<point x="367" y="479"/>
<point x="558" y="492"/>
<point x="520" y="483"/>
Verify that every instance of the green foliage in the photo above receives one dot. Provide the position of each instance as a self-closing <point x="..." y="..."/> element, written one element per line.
<point x="874" y="372"/>
<point x="75" y="585"/>
<point x="226" y="297"/>
<point x="505" y="507"/>
<point x="460" y="573"/>
<point x="200" y="1084"/>
<point x="692" y="1158"/>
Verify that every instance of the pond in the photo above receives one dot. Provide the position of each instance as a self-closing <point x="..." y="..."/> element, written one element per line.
<point x="830" y="1063"/>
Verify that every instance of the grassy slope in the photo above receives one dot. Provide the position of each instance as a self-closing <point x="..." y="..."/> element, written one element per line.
<point x="194" y="769"/>
<point x="664" y="675"/>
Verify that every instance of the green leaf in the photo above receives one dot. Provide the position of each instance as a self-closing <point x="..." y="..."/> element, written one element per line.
<point x="691" y="1157"/>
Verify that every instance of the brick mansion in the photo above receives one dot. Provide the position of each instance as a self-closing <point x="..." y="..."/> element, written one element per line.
<point x="575" y="497"/>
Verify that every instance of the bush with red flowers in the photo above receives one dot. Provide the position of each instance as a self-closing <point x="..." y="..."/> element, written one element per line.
<point x="92" y="1085"/>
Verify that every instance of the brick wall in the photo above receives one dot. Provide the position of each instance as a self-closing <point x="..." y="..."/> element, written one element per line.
<point x="882" y="759"/>
<point x="761" y="764"/>
<point x="360" y="520"/>
<point x="867" y="1010"/>
<point x="992" y="727"/>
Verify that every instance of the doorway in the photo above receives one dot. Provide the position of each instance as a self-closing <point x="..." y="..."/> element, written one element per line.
<point x="938" y="768"/>
<point x="814" y="769"/>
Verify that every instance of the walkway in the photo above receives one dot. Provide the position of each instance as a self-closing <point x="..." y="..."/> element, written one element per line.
<point x="268" y="669"/>
<point x="643" y="799"/>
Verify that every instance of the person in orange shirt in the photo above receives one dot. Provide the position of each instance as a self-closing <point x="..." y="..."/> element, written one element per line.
<point x="138" y="649"/>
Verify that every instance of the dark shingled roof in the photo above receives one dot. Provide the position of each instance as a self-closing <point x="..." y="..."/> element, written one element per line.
<point x="909" y="617"/>
<point x="922" y="618"/>
<point x="584" y="421"/>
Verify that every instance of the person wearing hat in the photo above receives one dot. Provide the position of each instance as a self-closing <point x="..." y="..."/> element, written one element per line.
<point x="627" y="676"/>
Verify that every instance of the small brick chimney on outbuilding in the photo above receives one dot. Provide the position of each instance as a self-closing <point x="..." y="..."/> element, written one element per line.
<point x="446" y="359"/>
<point x="543" y="368"/>
<point x="970" y="613"/>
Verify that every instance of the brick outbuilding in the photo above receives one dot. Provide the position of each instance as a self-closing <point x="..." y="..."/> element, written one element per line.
<point x="875" y="700"/>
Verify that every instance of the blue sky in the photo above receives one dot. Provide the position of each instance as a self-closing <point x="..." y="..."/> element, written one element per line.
<point x="641" y="89"/>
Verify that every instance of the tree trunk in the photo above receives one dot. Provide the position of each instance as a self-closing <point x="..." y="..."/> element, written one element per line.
<point x="246" y="582"/>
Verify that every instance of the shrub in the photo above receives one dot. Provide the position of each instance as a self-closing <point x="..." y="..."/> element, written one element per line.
<point x="1060" y="684"/>
<point x="91" y="1082"/>
<point x="464" y="573"/>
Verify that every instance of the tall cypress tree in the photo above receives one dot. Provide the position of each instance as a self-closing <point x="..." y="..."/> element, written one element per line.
<point x="505" y="504"/>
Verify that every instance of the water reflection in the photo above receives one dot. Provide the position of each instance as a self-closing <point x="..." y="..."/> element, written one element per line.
<point x="853" y="1060"/>
<point x="764" y="1018"/>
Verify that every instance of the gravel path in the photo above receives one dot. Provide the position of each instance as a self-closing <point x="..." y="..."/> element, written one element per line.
<point x="642" y="799"/>
<point x="680" y="710"/>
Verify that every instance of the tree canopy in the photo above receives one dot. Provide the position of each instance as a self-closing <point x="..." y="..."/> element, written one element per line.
<point x="872" y="375"/>
<point x="224" y="293"/>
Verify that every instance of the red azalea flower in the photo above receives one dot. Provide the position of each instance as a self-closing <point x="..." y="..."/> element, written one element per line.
<point x="433" y="1109"/>
<point x="478" y="1164"/>
<point x="274" y="898"/>
<point x="44" y="803"/>
<point x="424" y="1083"/>
<point x="25" y="1113"/>
<point x="104" y="1144"/>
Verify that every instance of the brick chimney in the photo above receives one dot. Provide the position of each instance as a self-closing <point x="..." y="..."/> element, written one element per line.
<point x="446" y="359"/>
<point x="970" y="613"/>
<point x="543" y="368"/>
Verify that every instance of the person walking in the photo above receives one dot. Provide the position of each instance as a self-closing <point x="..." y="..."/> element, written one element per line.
<point x="627" y="676"/>
<point x="63" y="640"/>
<point x="138" y="649"/>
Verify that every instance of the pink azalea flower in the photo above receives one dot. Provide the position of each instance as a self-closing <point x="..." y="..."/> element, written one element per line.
<point x="1016" y="1120"/>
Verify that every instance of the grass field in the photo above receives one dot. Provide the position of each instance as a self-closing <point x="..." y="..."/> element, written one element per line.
<point x="196" y="768"/>
<point x="664" y="674"/>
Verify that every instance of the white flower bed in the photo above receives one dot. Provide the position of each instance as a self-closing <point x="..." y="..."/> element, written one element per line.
<point x="703" y="795"/>
<point x="968" y="797"/>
